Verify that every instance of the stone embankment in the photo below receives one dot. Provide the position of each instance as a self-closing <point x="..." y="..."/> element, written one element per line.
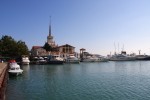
<point x="3" y="79"/>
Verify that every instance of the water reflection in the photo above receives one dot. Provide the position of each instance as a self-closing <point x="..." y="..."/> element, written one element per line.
<point x="84" y="81"/>
<point x="25" y="68"/>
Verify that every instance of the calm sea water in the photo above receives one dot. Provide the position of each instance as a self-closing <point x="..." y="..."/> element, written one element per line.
<point x="85" y="81"/>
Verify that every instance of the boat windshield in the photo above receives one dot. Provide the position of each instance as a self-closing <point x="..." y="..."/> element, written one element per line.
<point x="13" y="68"/>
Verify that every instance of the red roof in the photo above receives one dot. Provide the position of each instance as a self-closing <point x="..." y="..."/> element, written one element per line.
<point x="36" y="47"/>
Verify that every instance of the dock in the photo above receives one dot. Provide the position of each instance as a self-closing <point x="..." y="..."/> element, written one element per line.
<point x="3" y="79"/>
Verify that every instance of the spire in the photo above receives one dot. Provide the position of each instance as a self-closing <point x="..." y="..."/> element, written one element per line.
<point x="50" y="27"/>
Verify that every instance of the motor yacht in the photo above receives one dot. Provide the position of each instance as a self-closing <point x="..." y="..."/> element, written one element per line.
<point x="142" y="57"/>
<point x="14" y="68"/>
<point x="25" y="60"/>
<point x="72" y="59"/>
<point x="41" y="60"/>
<point x="55" y="59"/>
<point x="121" y="57"/>
<point x="89" y="59"/>
<point x="102" y="59"/>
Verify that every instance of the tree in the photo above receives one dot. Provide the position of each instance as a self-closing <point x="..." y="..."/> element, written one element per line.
<point x="47" y="47"/>
<point x="8" y="46"/>
<point x="11" y="48"/>
<point x="22" y="48"/>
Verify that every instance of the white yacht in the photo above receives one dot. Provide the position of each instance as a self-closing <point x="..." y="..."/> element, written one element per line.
<point x="72" y="59"/>
<point x="25" y="60"/>
<point x="102" y="59"/>
<point x="142" y="57"/>
<point x="55" y="59"/>
<point x="41" y="60"/>
<point x="89" y="59"/>
<point x="122" y="57"/>
<point x="14" y="68"/>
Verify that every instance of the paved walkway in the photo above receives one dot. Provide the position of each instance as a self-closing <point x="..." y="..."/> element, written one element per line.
<point x="3" y="80"/>
<point x="3" y="69"/>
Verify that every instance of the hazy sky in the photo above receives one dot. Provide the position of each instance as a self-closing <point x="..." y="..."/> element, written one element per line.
<point x="99" y="26"/>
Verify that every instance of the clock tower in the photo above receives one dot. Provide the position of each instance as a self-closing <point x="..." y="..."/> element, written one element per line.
<point x="50" y="38"/>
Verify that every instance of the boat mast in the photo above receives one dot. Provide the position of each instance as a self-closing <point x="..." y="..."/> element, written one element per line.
<point x="115" y="47"/>
<point x="139" y="52"/>
<point x="118" y="48"/>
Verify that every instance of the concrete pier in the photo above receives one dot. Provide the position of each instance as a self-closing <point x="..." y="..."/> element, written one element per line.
<point x="3" y="79"/>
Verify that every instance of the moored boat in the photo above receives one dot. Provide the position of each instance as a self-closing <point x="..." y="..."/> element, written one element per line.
<point x="41" y="60"/>
<point x="72" y="59"/>
<point x="142" y="57"/>
<point x="25" y="60"/>
<point x="88" y="59"/>
<point x="102" y="59"/>
<point x="55" y="59"/>
<point x="14" y="68"/>
<point x="122" y="57"/>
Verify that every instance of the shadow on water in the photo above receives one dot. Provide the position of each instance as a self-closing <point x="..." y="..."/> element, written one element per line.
<point x="14" y="77"/>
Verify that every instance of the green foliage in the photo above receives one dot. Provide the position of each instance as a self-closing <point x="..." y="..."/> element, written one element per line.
<point x="22" y="48"/>
<point x="47" y="47"/>
<point x="11" y="48"/>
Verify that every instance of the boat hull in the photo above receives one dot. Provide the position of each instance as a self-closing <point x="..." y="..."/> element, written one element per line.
<point x="25" y="63"/>
<point x="122" y="59"/>
<point x="72" y="61"/>
<point x="15" y="72"/>
<point x="143" y="58"/>
<point x="55" y="62"/>
<point x="88" y="59"/>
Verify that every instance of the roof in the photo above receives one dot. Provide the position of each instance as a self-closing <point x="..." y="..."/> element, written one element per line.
<point x="82" y="49"/>
<point x="67" y="45"/>
<point x="36" y="47"/>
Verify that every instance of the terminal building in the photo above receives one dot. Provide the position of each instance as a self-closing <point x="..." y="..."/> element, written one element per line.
<point x="62" y="50"/>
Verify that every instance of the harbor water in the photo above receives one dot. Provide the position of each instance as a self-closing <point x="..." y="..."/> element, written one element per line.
<point x="126" y="80"/>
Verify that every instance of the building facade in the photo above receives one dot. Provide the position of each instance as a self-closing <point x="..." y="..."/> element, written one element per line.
<point x="38" y="51"/>
<point x="61" y="50"/>
<point x="67" y="49"/>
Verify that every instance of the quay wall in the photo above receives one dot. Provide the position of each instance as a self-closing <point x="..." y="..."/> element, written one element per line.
<point x="3" y="79"/>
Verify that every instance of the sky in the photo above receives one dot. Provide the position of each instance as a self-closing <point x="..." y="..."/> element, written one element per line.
<point x="99" y="26"/>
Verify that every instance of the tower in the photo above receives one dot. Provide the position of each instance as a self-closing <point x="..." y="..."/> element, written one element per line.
<point x="50" y="37"/>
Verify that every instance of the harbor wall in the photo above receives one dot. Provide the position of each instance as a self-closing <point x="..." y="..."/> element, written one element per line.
<point x="3" y="79"/>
